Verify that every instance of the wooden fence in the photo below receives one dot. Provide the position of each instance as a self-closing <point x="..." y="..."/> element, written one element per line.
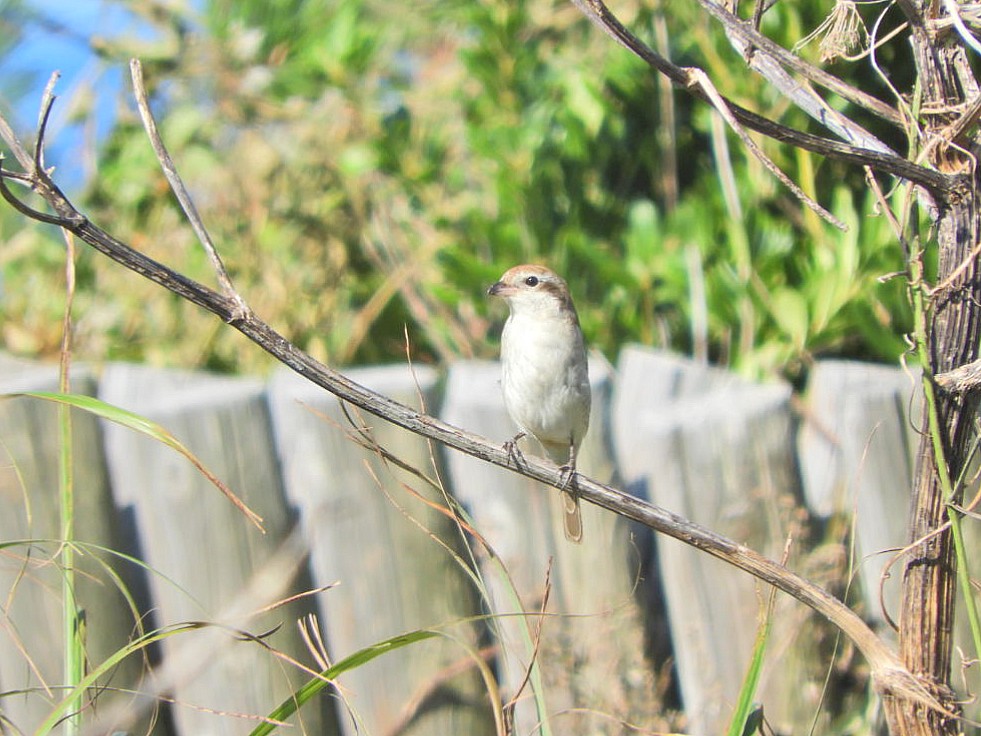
<point x="635" y="624"/>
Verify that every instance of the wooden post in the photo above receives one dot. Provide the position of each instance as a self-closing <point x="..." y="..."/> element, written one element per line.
<point x="32" y="647"/>
<point x="206" y="561"/>
<point x="592" y="648"/>
<point x="371" y="531"/>
<point x="856" y="452"/>
<point x="720" y="452"/>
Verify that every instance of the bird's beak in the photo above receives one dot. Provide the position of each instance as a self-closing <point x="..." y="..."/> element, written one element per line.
<point x="496" y="289"/>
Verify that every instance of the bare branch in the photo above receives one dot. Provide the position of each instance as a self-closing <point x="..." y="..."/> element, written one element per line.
<point x="766" y="58"/>
<point x="934" y="181"/>
<point x="180" y="191"/>
<point x="700" y="78"/>
<point x="744" y="37"/>
<point x="34" y="174"/>
<point x="47" y="102"/>
<point x="961" y="380"/>
<point x="20" y="206"/>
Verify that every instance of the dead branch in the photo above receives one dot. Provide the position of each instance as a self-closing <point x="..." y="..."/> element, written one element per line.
<point x="961" y="380"/>
<point x="177" y="185"/>
<point x="700" y="79"/>
<point x="770" y="59"/>
<point x="938" y="183"/>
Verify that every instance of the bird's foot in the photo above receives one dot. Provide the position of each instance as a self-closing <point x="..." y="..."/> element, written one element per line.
<point x="567" y="473"/>
<point x="513" y="451"/>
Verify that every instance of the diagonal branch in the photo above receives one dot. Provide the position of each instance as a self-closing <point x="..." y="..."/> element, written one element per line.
<point x="745" y="37"/>
<point x="938" y="183"/>
<point x="180" y="191"/>
<point x="701" y="79"/>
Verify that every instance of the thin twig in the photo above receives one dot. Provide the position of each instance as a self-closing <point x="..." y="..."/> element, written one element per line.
<point x="879" y="42"/>
<point x="23" y="208"/>
<point x="758" y="10"/>
<point x="909" y="122"/>
<point x="542" y="611"/>
<point x="899" y="554"/>
<point x="700" y="78"/>
<point x="960" y="131"/>
<point x="965" y="264"/>
<point x="933" y="181"/>
<point x="14" y="144"/>
<point x="47" y="102"/>
<point x="180" y="191"/>
<point x="880" y="198"/>
<point x="743" y="36"/>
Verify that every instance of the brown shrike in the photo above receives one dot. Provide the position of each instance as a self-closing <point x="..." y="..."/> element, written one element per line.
<point x="544" y="371"/>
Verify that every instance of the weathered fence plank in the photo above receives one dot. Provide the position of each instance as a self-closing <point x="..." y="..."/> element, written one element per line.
<point x="592" y="646"/>
<point x="371" y="531"/>
<point x="207" y="562"/>
<point x="718" y="451"/>
<point x="856" y="454"/>
<point x="31" y="632"/>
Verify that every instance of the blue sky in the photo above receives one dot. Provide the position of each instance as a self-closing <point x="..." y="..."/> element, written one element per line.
<point x="56" y="38"/>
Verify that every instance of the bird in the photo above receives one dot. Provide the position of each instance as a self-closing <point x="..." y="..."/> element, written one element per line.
<point x="544" y="372"/>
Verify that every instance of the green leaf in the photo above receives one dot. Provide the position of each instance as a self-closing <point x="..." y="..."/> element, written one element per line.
<point x="58" y="713"/>
<point x="584" y="101"/>
<point x="747" y="717"/>
<point x="789" y="311"/>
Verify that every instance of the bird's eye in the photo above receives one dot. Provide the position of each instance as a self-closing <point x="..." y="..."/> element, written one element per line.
<point x="531" y="281"/>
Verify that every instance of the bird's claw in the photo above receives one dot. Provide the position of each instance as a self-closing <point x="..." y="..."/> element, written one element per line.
<point x="513" y="451"/>
<point x="567" y="474"/>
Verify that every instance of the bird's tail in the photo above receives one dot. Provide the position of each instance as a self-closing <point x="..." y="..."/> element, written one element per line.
<point x="572" y="517"/>
<point x="564" y="456"/>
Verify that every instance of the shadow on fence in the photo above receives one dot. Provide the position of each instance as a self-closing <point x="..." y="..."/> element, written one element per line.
<point x="651" y="624"/>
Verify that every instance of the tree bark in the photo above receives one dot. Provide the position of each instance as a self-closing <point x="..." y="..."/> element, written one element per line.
<point x="926" y="619"/>
<point x="953" y="327"/>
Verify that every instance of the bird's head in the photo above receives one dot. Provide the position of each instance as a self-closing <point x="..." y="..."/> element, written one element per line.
<point x="531" y="289"/>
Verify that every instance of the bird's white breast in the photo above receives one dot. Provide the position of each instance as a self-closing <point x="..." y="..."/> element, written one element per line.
<point x="545" y="378"/>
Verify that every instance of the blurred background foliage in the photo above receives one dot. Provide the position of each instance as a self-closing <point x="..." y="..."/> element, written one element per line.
<point x="369" y="168"/>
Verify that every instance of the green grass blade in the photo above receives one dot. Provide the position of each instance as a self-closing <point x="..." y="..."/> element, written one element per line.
<point x="748" y="713"/>
<point x="313" y="686"/>
<point x="146" y="427"/>
<point x="73" y="618"/>
<point x="535" y="683"/>
<point x="64" y="708"/>
<point x="964" y="579"/>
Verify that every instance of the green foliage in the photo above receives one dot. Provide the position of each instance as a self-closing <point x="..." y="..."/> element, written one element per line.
<point x="364" y="167"/>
